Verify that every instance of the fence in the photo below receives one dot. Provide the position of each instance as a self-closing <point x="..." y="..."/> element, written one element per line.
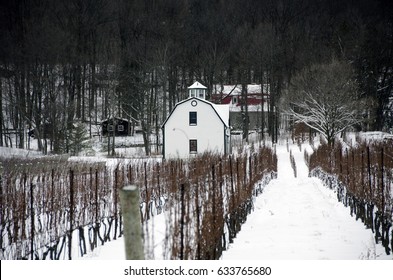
<point x="363" y="179"/>
<point x="49" y="205"/>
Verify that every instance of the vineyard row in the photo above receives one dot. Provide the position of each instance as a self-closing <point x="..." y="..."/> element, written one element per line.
<point x="362" y="176"/>
<point x="46" y="203"/>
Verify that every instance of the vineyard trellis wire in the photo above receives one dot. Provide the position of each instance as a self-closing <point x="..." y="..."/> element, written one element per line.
<point x="363" y="179"/>
<point x="46" y="204"/>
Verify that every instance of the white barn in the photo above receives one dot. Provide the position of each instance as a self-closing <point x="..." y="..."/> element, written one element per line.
<point x="196" y="125"/>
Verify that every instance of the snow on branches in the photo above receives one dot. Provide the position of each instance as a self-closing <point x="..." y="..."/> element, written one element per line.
<point x="325" y="98"/>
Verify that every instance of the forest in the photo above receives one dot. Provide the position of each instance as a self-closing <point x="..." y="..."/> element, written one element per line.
<point x="64" y="63"/>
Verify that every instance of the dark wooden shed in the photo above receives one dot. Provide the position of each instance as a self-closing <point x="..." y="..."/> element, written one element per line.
<point x="121" y="127"/>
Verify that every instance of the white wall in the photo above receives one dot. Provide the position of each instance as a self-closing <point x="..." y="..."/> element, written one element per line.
<point x="209" y="130"/>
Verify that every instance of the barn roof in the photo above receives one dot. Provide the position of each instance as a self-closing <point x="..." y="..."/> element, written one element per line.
<point x="222" y="111"/>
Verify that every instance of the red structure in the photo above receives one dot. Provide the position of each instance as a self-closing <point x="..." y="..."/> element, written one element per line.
<point x="257" y="101"/>
<point x="257" y="96"/>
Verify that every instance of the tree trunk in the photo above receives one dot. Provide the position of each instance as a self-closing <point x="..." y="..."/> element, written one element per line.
<point x="1" y="113"/>
<point x="244" y="110"/>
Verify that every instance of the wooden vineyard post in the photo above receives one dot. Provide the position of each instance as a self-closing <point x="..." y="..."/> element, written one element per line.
<point x="198" y="256"/>
<point x="363" y="194"/>
<point x="382" y="185"/>
<point x="71" y="212"/>
<point x="371" y="202"/>
<point x="347" y="156"/>
<point x="182" y="221"/>
<point x="1" y="196"/>
<point x="129" y="201"/>
<point x="232" y="188"/>
<point x="158" y="184"/>
<point x="353" y="181"/>
<point x="369" y="174"/>
<point x="96" y="197"/>
<point x="147" y="192"/>
<point x="52" y="192"/>
<point x="32" y="220"/>
<point x="214" y="209"/>
<point x="341" y="165"/>
<point x="250" y="170"/>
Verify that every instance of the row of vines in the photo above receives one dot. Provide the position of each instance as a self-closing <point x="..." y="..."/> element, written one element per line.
<point x="57" y="209"/>
<point x="363" y="178"/>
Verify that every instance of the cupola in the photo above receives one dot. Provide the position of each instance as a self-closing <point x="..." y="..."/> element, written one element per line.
<point x="197" y="90"/>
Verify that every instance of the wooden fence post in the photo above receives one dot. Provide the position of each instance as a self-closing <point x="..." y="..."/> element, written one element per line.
<point x="198" y="255"/>
<point x="369" y="174"/>
<point x="182" y="220"/>
<point x="232" y="184"/>
<point x="340" y="159"/>
<point x="214" y="210"/>
<point x="71" y="213"/>
<point x="129" y="200"/>
<point x="96" y="197"/>
<point x="382" y="185"/>
<point x="32" y="220"/>
<point x="250" y="170"/>
<point x="115" y="201"/>
<point x="362" y="176"/>
<point x="1" y="198"/>
<point x="147" y="192"/>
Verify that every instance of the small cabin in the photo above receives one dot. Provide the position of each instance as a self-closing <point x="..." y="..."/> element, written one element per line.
<point x="119" y="126"/>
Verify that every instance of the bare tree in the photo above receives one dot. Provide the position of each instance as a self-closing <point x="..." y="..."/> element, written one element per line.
<point x="325" y="98"/>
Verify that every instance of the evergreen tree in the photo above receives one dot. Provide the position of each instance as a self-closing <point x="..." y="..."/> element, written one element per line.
<point x="79" y="140"/>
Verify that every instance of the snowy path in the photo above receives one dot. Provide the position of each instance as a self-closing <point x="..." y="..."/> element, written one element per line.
<point x="299" y="218"/>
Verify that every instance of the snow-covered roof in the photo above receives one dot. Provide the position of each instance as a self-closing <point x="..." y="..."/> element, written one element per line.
<point x="222" y="110"/>
<point x="197" y="85"/>
<point x="237" y="89"/>
<point x="111" y="118"/>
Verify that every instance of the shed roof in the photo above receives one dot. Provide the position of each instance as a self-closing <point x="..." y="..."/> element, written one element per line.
<point x="117" y="118"/>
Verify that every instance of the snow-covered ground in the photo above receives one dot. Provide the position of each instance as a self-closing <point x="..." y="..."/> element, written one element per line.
<point x="295" y="218"/>
<point x="299" y="218"/>
<point x="18" y="153"/>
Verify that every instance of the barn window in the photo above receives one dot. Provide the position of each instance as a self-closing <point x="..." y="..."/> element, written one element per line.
<point x="193" y="146"/>
<point x="120" y="127"/>
<point x="193" y="118"/>
<point x="110" y="127"/>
